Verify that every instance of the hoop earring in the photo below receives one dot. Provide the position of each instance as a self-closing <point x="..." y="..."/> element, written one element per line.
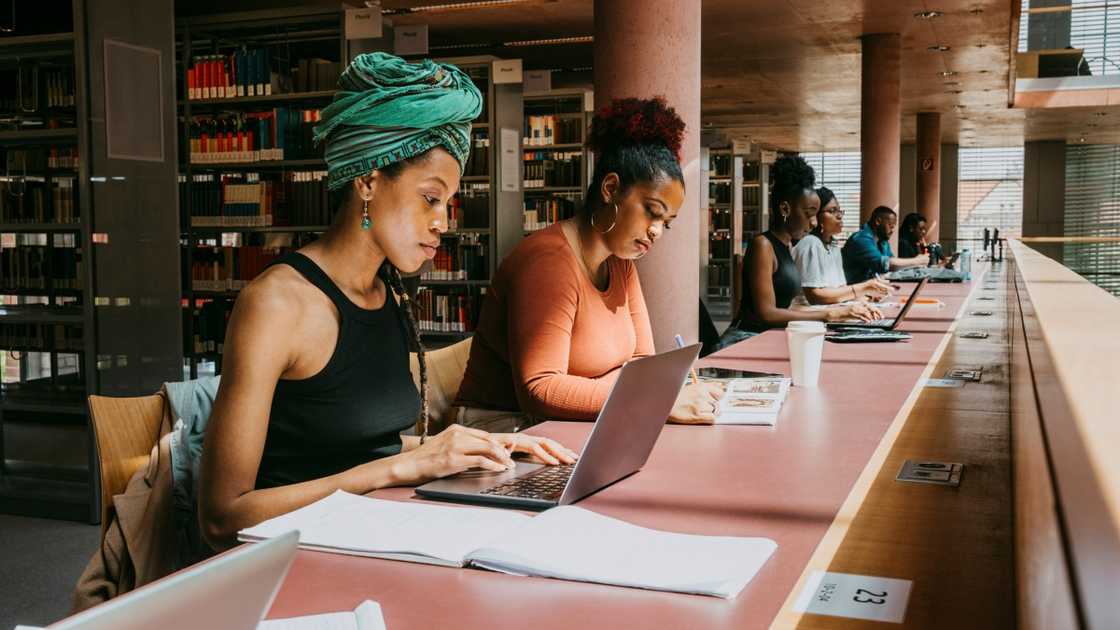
<point x="613" y="221"/>
<point x="366" y="223"/>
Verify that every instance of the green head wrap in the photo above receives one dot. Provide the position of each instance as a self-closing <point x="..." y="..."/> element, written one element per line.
<point x="388" y="110"/>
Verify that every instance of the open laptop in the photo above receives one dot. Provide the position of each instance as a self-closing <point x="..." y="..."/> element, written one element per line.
<point x="619" y="444"/>
<point x="232" y="591"/>
<point x="889" y="323"/>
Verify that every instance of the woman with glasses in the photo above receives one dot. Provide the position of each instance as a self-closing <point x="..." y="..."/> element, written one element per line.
<point x="818" y="260"/>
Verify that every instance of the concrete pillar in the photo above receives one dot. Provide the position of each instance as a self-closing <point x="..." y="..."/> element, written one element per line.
<point x="646" y="48"/>
<point x="928" y="172"/>
<point x="907" y="193"/>
<point x="950" y="174"/>
<point x="1044" y="191"/>
<point x="880" y="123"/>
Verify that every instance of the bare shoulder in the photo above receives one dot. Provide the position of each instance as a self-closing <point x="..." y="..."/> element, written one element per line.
<point x="761" y="244"/>
<point x="280" y="292"/>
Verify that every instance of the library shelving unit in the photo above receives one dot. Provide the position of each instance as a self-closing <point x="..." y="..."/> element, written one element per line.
<point x="557" y="162"/>
<point x="252" y="185"/>
<point x="85" y="307"/>
<point x="721" y="180"/>
<point x="486" y="213"/>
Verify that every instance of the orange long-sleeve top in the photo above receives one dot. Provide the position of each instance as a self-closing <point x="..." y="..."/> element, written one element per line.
<point x="548" y="342"/>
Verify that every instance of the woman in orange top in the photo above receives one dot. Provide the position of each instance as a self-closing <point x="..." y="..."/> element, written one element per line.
<point x="565" y="310"/>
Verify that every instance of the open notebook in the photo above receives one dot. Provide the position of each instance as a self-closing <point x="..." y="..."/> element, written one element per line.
<point x="367" y="616"/>
<point x="752" y="400"/>
<point x="567" y="543"/>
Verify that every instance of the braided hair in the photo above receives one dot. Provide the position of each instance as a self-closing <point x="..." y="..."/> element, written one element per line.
<point x="791" y="177"/>
<point x="392" y="277"/>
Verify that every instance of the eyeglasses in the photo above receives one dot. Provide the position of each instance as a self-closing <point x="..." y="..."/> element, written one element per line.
<point x="836" y="212"/>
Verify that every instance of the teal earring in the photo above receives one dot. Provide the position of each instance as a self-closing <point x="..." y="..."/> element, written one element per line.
<point x="366" y="223"/>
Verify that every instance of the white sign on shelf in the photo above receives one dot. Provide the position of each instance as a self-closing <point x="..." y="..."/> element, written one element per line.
<point x="363" y="23"/>
<point x="410" y="40"/>
<point x="538" y="81"/>
<point x="510" y="163"/>
<point x="855" y="596"/>
<point x="506" y="71"/>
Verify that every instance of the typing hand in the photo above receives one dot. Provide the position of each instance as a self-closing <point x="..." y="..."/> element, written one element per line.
<point x="697" y="404"/>
<point x="865" y="312"/>
<point x="541" y="449"/>
<point x="453" y="450"/>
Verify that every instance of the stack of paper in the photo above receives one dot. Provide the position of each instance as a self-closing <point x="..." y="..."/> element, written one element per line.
<point x="567" y="542"/>
<point x="752" y="401"/>
<point x="367" y="616"/>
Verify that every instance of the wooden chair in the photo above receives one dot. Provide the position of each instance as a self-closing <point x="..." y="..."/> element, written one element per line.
<point x="125" y="429"/>
<point x="446" y="367"/>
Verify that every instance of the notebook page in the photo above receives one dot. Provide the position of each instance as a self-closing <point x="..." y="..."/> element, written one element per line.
<point x="572" y="543"/>
<point x="367" y="616"/>
<point x="356" y="525"/>
<point x="394" y="527"/>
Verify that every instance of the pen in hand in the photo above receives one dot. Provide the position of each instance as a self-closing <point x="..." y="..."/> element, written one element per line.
<point x="692" y="370"/>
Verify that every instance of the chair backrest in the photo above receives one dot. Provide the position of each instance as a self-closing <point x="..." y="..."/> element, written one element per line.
<point x="446" y="367"/>
<point x="126" y="429"/>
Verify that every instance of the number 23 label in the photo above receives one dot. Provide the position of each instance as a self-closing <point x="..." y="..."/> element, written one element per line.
<point x="855" y="596"/>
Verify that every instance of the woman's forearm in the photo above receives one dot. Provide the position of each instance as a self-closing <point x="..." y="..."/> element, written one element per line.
<point x="221" y="524"/>
<point x="829" y="295"/>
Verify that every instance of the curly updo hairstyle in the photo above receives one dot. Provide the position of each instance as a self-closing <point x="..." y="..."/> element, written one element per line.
<point x="637" y="139"/>
<point x="790" y="178"/>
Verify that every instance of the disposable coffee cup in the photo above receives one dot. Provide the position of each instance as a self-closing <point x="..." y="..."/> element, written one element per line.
<point x="806" y="346"/>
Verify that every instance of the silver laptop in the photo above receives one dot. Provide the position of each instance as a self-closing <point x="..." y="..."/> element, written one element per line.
<point x="619" y="444"/>
<point x="230" y="592"/>
<point x="890" y="323"/>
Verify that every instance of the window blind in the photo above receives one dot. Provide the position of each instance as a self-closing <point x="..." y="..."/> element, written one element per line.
<point x="989" y="192"/>
<point x="1093" y="209"/>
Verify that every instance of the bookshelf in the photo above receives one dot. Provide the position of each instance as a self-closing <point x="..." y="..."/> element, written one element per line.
<point x="85" y="306"/>
<point x="556" y="162"/>
<point x="720" y="178"/>
<point x="485" y="217"/>
<point x="252" y="186"/>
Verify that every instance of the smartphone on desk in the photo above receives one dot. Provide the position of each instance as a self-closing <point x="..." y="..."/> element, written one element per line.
<point x="727" y="373"/>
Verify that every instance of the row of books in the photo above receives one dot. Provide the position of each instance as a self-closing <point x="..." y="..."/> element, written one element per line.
<point x="548" y="169"/>
<point x="462" y="258"/>
<point x="448" y="310"/>
<point x="250" y="200"/>
<point x="548" y="130"/>
<point x="719" y="192"/>
<point x="31" y="200"/>
<point x="228" y="268"/>
<point x="540" y="213"/>
<point x="40" y="267"/>
<point x="28" y="87"/>
<point x="478" y="164"/>
<point x="206" y="322"/>
<point x="719" y="245"/>
<point x="719" y="218"/>
<point x="251" y="72"/>
<point x="42" y="337"/>
<point x="470" y="208"/>
<point x="719" y="165"/>
<point x="752" y="196"/>
<point x="18" y="162"/>
<point x="719" y="275"/>
<point x="277" y="134"/>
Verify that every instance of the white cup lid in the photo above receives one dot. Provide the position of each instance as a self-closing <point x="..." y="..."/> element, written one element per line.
<point x="802" y="326"/>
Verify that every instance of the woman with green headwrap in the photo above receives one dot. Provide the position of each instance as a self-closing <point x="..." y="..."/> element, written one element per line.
<point x="316" y="387"/>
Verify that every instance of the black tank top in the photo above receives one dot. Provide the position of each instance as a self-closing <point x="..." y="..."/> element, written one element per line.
<point x="354" y="409"/>
<point x="787" y="283"/>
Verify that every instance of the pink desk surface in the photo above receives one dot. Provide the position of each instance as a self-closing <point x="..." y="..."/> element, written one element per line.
<point x="786" y="483"/>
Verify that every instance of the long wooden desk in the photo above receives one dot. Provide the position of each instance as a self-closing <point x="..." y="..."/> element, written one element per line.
<point x="801" y="483"/>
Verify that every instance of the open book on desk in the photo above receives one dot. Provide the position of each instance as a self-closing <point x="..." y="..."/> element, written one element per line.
<point x="567" y="543"/>
<point x="752" y="400"/>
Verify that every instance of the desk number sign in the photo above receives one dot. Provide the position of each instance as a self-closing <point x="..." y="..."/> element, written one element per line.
<point x="855" y="596"/>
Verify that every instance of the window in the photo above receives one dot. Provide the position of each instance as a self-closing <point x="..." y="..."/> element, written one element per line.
<point x="989" y="193"/>
<point x="1094" y="27"/>
<point x="840" y="173"/>
<point x="1093" y="209"/>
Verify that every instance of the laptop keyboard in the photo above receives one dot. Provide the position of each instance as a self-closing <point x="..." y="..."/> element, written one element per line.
<point x="546" y="483"/>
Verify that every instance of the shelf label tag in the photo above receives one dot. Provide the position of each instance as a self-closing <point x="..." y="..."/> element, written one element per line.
<point x="855" y="596"/>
